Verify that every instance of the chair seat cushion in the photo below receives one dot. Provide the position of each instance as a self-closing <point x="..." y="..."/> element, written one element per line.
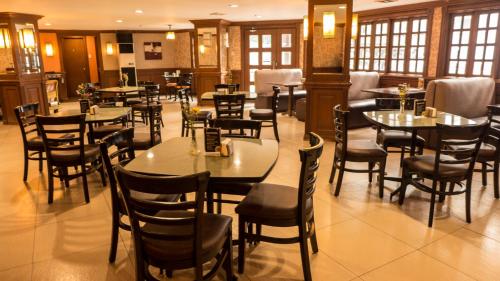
<point x="486" y="152"/>
<point x="36" y="143"/>
<point x="261" y="114"/>
<point x="362" y="150"/>
<point x="214" y="232"/>
<point x="91" y="152"/>
<point x="425" y="164"/>
<point x="203" y="115"/>
<point x="102" y="131"/>
<point x="142" y="141"/>
<point x="396" y="138"/>
<point x="271" y="202"/>
<point x="133" y="102"/>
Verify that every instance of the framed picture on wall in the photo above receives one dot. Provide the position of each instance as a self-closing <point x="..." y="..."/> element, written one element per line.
<point x="152" y="50"/>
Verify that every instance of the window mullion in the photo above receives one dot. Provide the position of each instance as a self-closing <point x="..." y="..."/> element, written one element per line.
<point x="408" y="45"/>
<point x="472" y="44"/>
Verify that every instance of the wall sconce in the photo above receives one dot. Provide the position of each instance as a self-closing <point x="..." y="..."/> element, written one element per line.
<point x="4" y="38"/>
<point x="170" y="34"/>
<point x="49" y="50"/>
<point x="226" y="40"/>
<point x="202" y="49"/>
<point x="354" y="28"/>
<point x="109" y="49"/>
<point x="328" y="25"/>
<point x="26" y="38"/>
<point x="306" y="27"/>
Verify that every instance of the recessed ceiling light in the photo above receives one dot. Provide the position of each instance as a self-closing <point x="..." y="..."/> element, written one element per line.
<point x="233" y="5"/>
<point x="139" y="11"/>
<point x="119" y="21"/>
<point x="258" y="16"/>
<point x="48" y="24"/>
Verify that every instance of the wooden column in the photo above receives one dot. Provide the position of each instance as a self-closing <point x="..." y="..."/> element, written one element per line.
<point x="22" y="84"/>
<point x="327" y="83"/>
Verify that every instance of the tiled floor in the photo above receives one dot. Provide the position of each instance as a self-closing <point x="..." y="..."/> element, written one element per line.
<point x="360" y="236"/>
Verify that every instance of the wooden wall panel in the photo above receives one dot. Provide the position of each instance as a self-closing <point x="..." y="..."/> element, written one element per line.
<point x="205" y="81"/>
<point x="10" y="98"/>
<point x="156" y="75"/>
<point x="109" y="78"/>
<point x="395" y="80"/>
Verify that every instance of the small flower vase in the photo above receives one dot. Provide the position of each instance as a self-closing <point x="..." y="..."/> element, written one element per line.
<point x="194" y="145"/>
<point x="402" y="103"/>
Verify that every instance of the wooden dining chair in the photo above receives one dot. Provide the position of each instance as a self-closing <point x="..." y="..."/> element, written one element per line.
<point x="355" y="151"/>
<point x="69" y="151"/>
<point x="448" y="165"/>
<point x="144" y="141"/>
<point x="269" y="117"/>
<point x="118" y="149"/>
<point x="140" y="110"/>
<point x="237" y="128"/>
<point x="199" y="122"/>
<point x="400" y="140"/>
<point x="229" y="106"/>
<point x="229" y="87"/>
<point x="178" y="235"/>
<point x="32" y="141"/>
<point x="284" y="206"/>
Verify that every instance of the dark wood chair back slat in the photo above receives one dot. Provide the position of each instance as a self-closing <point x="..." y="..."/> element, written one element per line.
<point x="229" y="106"/>
<point x="53" y="127"/>
<point x="309" y="157"/>
<point x="26" y="115"/>
<point x="230" y="87"/>
<point x="340" y="117"/>
<point x="155" y="123"/>
<point x="239" y="128"/>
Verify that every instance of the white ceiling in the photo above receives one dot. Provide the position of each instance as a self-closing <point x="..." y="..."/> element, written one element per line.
<point x="102" y="14"/>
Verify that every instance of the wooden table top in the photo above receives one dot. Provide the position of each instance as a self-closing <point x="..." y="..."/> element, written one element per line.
<point x="393" y="119"/>
<point x="104" y="114"/>
<point x="248" y="95"/>
<point x="393" y="91"/>
<point x="251" y="161"/>
<point x="119" y="90"/>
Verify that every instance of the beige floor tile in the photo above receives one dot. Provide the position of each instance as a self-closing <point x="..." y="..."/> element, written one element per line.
<point x="488" y="225"/>
<point x="16" y="244"/>
<point x="65" y="237"/>
<point x="471" y="253"/>
<point x="20" y="273"/>
<point x="358" y="246"/>
<point x="282" y="262"/>
<point x="407" y="229"/>
<point x="91" y="264"/>
<point x="415" y="267"/>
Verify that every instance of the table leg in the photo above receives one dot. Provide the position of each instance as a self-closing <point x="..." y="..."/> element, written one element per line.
<point x="412" y="153"/>
<point x="290" y="101"/>
<point x="91" y="133"/>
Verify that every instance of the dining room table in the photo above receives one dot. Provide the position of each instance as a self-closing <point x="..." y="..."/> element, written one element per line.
<point x="409" y="122"/>
<point x="209" y="96"/>
<point x="291" y="88"/>
<point x="103" y="114"/>
<point x="251" y="161"/>
<point x="120" y="93"/>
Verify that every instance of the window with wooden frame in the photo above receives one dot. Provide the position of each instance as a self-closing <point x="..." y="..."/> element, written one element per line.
<point x="364" y="50"/>
<point x="380" y="46"/>
<point x="486" y="39"/>
<point x="417" y="45"/>
<point x="352" y="57"/>
<point x="398" y="51"/>
<point x="461" y="26"/>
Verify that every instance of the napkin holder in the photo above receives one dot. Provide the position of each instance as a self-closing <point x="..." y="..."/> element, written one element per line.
<point x="226" y="148"/>
<point x="93" y="109"/>
<point x="430" y="112"/>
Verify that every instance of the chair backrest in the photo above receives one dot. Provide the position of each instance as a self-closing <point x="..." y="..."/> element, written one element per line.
<point x="151" y="91"/>
<point x="84" y="105"/>
<point x="493" y="135"/>
<point x="25" y="115"/>
<point x="185" y="214"/>
<point x="467" y="138"/>
<point x="230" y="87"/>
<point x="340" y="119"/>
<point x="239" y="128"/>
<point x="275" y="99"/>
<point x="393" y="103"/>
<point x="117" y="148"/>
<point x="229" y="106"/>
<point x="52" y="127"/>
<point x="309" y="157"/>
<point x="155" y="121"/>
<point x="185" y="79"/>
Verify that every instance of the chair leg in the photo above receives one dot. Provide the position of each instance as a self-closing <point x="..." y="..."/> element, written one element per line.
<point x="402" y="156"/>
<point x="381" y="179"/>
<point x="101" y="171"/>
<point x="334" y="169"/>
<point x="65" y="175"/>
<point x="275" y="128"/>
<point x="85" y="185"/>
<point x="484" y="175"/>
<point x="404" y="183"/>
<point x="50" y="173"/>
<point x="40" y="161"/>
<point x="241" y="245"/>
<point x="183" y="128"/>
<point x="114" y="235"/>
<point x="304" y="253"/>
<point x="370" y="171"/>
<point x="340" y="177"/>
<point x="442" y="188"/>
<point x="25" y="174"/>
<point x="468" y="193"/>
<point x="495" y="179"/>
<point x="433" y="202"/>
<point x="228" y="262"/>
<point x="314" y="241"/>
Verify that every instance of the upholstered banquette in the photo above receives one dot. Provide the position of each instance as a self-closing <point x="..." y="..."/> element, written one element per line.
<point x="359" y="101"/>
<point x="264" y="80"/>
